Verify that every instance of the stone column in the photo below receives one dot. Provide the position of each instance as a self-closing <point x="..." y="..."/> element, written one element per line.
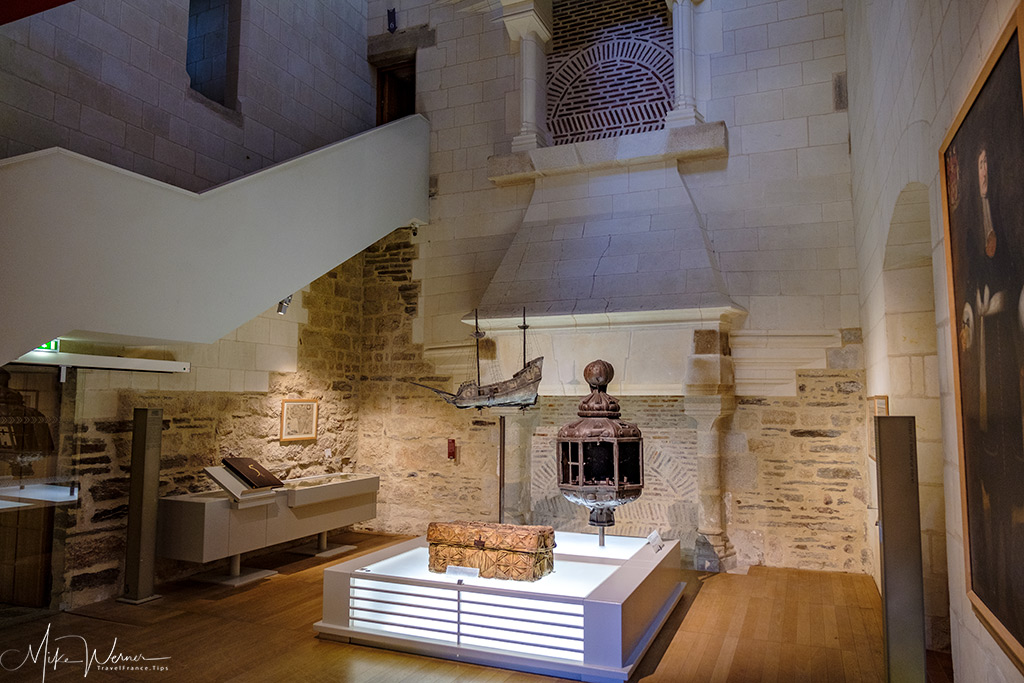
<point x="709" y="387"/>
<point x="529" y="22"/>
<point x="684" y="109"/>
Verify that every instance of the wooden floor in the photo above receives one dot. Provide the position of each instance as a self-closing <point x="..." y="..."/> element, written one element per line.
<point x="778" y="625"/>
<point x="770" y="625"/>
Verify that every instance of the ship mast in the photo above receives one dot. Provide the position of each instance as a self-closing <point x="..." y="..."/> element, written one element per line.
<point x="478" y="335"/>
<point x="524" y="327"/>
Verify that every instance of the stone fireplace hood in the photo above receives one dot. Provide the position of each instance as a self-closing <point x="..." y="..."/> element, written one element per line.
<point x="612" y="258"/>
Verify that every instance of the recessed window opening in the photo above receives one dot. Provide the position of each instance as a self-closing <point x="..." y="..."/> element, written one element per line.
<point x="212" y="55"/>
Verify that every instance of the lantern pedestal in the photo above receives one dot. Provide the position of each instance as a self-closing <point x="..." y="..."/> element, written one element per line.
<point x="592" y="619"/>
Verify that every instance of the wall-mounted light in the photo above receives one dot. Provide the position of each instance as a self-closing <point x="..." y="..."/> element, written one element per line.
<point x="392" y="20"/>
<point x="282" y="305"/>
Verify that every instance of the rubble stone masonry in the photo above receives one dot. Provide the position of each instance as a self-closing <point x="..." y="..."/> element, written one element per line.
<point x="404" y="429"/>
<point x="796" y="482"/>
<point x="794" y="474"/>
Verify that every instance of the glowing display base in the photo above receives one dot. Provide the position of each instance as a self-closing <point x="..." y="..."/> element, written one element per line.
<point x="592" y="619"/>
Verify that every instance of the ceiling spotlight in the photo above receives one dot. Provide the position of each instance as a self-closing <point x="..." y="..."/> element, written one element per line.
<point x="282" y="305"/>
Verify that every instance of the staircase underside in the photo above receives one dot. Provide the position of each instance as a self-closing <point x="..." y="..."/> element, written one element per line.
<point x="111" y="255"/>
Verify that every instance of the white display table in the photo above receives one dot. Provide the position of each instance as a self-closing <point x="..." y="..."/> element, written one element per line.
<point x="202" y="527"/>
<point x="592" y="619"/>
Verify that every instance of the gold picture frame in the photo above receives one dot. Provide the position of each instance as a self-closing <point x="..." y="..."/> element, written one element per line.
<point x="983" y="216"/>
<point x="298" y="419"/>
<point x="879" y="405"/>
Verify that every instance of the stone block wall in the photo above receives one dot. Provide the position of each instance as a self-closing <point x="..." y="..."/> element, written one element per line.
<point x="108" y="80"/>
<point x="779" y="211"/>
<point x="466" y="86"/>
<point x="911" y="370"/>
<point x="208" y="45"/>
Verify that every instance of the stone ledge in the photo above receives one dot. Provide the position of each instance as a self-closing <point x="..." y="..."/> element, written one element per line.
<point x="688" y="143"/>
<point x="386" y="49"/>
<point x="714" y="312"/>
<point x="765" y="362"/>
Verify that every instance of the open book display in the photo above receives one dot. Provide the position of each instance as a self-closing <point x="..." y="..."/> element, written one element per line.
<point x="252" y="474"/>
<point x="239" y="487"/>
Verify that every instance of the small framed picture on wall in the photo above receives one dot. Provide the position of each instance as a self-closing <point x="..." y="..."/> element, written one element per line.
<point x="879" y="405"/>
<point x="298" y="419"/>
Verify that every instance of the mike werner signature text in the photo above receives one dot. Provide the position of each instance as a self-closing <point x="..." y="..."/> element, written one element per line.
<point x="78" y="653"/>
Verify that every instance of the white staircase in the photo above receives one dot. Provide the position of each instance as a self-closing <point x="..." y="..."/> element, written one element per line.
<point x="92" y="251"/>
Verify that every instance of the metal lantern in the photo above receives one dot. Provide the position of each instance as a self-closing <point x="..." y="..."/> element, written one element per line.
<point x="600" y="457"/>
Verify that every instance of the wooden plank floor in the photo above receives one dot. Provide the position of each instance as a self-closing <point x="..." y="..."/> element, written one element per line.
<point x="769" y="625"/>
<point x="779" y="625"/>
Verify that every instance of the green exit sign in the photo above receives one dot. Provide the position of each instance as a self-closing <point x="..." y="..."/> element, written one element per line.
<point x="50" y="346"/>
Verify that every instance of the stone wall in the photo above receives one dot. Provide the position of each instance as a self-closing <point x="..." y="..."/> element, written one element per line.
<point x="466" y="86"/>
<point x="913" y="378"/>
<point x="108" y="80"/>
<point x="797" y="489"/>
<point x="404" y="429"/>
<point x="794" y="472"/>
<point x="207" y="53"/>
<point x="778" y="211"/>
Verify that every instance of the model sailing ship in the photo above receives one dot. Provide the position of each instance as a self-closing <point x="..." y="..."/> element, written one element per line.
<point x="519" y="391"/>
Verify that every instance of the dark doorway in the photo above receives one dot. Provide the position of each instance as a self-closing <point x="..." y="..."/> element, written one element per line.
<point x="396" y="91"/>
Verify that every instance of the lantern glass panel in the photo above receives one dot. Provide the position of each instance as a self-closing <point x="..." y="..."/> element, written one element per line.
<point x="598" y="463"/>
<point x="629" y="463"/>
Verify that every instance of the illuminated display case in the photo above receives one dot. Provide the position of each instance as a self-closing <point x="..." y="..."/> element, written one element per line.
<point x="591" y="619"/>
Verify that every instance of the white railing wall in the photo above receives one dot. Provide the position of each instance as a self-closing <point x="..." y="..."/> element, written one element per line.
<point x="96" y="251"/>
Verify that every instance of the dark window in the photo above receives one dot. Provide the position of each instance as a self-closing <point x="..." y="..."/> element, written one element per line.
<point x="598" y="463"/>
<point x="396" y="91"/>
<point x="629" y="462"/>
<point x="212" y="56"/>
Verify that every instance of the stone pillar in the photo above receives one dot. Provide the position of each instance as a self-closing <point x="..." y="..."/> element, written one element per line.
<point x="684" y="109"/>
<point x="529" y="22"/>
<point x="709" y="388"/>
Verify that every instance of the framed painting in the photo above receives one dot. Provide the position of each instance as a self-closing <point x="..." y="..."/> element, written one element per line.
<point x="983" y="210"/>
<point x="298" y="420"/>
